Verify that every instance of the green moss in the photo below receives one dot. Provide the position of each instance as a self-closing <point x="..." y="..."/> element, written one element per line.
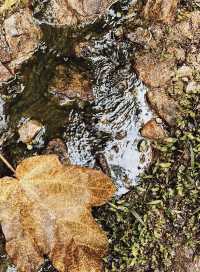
<point x="8" y="4"/>
<point x="161" y="214"/>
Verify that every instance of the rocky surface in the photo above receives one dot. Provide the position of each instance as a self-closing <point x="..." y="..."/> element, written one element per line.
<point x="19" y="38"/>
<point x="164" y="106"/>
<point x="73" y="12"/>
<point x="71" y="84"/>
<point x="5" y="74"/>
<point x="166" y="58"/>
<point x="153" y="130"/>
<point x="160" y="10"/>
<point x="153" y="72"/>
<point x="29" y="130"/>
<point x="58" y="147"/>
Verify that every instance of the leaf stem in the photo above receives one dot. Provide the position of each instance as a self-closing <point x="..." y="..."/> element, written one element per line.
<point x="7" y="163"/>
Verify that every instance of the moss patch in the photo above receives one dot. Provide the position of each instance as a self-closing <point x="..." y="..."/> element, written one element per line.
<point x="161" y="214"/>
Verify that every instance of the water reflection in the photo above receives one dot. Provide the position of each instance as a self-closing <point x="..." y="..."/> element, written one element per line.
<point x="119" y="110"/>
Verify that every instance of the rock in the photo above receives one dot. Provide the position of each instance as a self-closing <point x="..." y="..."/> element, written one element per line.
<point x="29" y="130"/>
<point x="153" y="72"/>
<point x="179" y="53"/>
<point x="22" y="36"/>
<point x="153" y="131"/>
<point x="101" y="162"/>
<point x="185" y="260"/>
<point x="187" y="29"/>
<point x="185" y="71"/>
<point x="81" y="49"/>
<point x="58" y="147"/>
<point x="161" y="10"/>
<point x="71" y="83"/>
<point x="5" y="55"/>
<point x="5" y="74"/>
<point x="73" y="12"/>
<point x="192" y="87"/>
<point x="164" y="106"/>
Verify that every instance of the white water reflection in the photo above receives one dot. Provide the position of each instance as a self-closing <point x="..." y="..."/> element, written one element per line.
<point x="119" y="111"/>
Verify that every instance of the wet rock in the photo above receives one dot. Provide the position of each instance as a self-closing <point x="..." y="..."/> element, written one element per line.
<point x="153" y="72"/>
<point x="73" y="12"/>
<point x="58" y="147"/>
<point x="161" y="10"/>
<point x="102" y="163"/>
<point x="153" y="131"/>
<point x="164" y="106"/>
<point x="5" y="74"/>
<point x="71" y="84"/>
<point x="22" y="36"/>
<point x="29" y="130"/>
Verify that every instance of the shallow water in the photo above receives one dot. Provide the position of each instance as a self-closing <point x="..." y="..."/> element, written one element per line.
<point x="117" y="115"/>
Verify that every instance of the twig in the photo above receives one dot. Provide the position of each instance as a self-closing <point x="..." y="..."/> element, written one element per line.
<point x="7" y="163"/>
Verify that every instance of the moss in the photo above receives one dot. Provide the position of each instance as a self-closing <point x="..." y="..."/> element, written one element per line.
<point x="161" y="214"/>
<point x="9" y="4"/>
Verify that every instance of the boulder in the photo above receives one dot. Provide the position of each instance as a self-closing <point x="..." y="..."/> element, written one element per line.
<point x="5" y="74"/>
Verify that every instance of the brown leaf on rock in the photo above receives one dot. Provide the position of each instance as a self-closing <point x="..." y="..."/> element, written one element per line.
<point x="46" y="211"/>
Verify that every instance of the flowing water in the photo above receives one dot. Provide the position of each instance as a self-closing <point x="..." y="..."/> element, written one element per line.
<point x="117" y="115"/>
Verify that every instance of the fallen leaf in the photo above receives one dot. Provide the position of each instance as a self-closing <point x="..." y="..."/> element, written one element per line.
<point x="46" y="211"/>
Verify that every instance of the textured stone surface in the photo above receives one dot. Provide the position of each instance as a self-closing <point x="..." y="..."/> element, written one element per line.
<point x="153" y="131"/>
<point x="164" y="106"/>
<point x="22" y="36"/>
<point x="161" y="10"/>
<point x="71" y="83"/>
<point x="154" y="72"/>
<point x="29" y="130"/>
<point x="73" y="12"/>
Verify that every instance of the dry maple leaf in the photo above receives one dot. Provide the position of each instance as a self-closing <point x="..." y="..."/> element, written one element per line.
<point x="46" y="211"/>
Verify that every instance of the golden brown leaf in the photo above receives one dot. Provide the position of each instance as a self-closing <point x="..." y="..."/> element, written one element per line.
<point x="46" y="211"/>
